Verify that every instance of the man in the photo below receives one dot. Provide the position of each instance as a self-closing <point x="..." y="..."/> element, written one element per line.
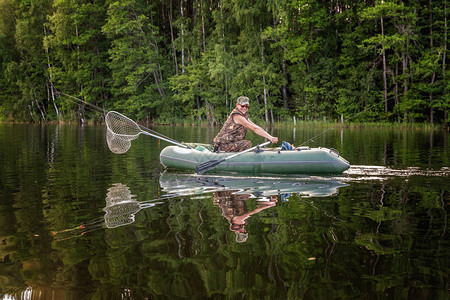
<point x="231" y="136"/>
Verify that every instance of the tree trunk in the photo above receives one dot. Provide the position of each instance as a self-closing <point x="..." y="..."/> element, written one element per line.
<point x="266" y="112"/>
<point x="210" y="114"/>
<point x="431" y="100"/>
<point x="384" y="69"/>
<point x="78" y="45"/>
<point x="197" y="100"/>
<point x="405" y="68"/>
<point x="433" y="76"/>
<point x="182" y="36"/>
<point x="405" y="56"/>
<point x="50" y="90"/>
<point x="444" y="56"/>
<point x="396" y="84"/>
<point x="283" y="88"/>
<point x="226" y="91"/>
<point x="203" y="29"/>
<point x="157" y="83"/>
<point x="174" y="53"/>
<point x="41" y="110"/>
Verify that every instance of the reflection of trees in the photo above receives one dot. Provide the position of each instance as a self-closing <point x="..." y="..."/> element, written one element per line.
<point x="185" y="249"/>
<point x="53" y="168"/>
<point x="372" y="239"/>
<point x="402" y="227"/>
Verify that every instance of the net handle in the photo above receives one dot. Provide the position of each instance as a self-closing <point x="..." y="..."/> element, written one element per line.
<point x="165" y="139"/>
<point x="144" y="130"/>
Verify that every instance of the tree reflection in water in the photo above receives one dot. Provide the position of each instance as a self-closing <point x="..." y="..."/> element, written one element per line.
<point x="194" y="242"/>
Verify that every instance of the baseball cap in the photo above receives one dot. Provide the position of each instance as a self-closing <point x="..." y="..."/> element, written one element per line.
<point x="242" y="100"/>
<point x="241" y="237"/>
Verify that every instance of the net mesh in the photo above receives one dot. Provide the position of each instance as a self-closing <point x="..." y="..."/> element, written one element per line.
<point x="120" y="132"/>
<point x="117" y="144"/>
<point x="117" y="221"/>
<point x="119" y="193"/>
<point x="121" y="206"/>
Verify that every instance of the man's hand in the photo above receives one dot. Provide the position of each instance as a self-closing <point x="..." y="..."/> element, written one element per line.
<point x="274" y="140"/>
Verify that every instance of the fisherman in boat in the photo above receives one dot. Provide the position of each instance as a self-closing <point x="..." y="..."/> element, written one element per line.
<point x="231" y="136"/>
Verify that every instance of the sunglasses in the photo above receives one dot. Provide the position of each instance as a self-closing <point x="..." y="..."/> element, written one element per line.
<point x="246" y="106"/>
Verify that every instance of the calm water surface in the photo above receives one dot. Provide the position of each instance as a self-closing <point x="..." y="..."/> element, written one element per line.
<point x="78" y="222"/>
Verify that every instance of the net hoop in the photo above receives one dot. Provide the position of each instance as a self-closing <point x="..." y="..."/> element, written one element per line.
<point x="121" y="130"/>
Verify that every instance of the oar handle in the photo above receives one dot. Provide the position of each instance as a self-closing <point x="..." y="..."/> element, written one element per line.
<point x="248" y="150"/>
<point x="206" y="166"/>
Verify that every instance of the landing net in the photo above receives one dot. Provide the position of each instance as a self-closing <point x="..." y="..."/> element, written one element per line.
<point x="120" y="132"/>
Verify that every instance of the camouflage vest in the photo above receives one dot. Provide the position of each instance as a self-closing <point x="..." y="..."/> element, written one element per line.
<point x="231" y="132"/>
<point x="231" y="204"/>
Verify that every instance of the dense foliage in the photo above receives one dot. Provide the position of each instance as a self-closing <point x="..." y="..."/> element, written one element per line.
<point x="162" y="60"/>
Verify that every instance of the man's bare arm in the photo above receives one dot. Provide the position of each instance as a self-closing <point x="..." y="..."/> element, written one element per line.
<point x="255" y="128"/>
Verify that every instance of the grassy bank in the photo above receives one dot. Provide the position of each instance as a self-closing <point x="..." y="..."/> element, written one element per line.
<point x="320" y="124"/>
<point x="280" y="124"/>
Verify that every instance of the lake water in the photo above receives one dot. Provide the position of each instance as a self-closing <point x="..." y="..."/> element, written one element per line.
<point x="79" y="222"/>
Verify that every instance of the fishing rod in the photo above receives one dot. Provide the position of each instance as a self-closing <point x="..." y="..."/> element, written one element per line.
<point x="92" y="106"/>
<point x="121" y="129"/>
<point x="341" y="123"/>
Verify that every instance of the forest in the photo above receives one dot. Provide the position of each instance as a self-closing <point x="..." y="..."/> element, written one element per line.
<point x="169" y="60"/>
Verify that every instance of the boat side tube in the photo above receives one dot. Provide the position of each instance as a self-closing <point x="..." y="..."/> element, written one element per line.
<point x="303" y="161"/>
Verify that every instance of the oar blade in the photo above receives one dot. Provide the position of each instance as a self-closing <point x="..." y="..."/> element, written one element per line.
<point x="206" y="166"/>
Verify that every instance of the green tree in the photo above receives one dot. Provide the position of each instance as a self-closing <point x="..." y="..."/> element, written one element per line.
<point x="22" y="30"/>
<point x="380" y="42"/>
<point x="430" y="67"/>
<point x="136" y="61"/>
<point x="177" y="59"/>
<point x="77" y="52"/>
<point x="8" y="54"/>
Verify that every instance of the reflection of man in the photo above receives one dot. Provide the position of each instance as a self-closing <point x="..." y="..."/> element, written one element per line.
<point x="235" y="211"/>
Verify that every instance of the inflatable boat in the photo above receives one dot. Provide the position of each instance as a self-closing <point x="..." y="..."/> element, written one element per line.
<point x="301" y="160"/>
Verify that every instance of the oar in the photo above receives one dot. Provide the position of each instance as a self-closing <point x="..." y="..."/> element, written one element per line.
<point x="122" y="130"/>
<point x="206" y="166"/>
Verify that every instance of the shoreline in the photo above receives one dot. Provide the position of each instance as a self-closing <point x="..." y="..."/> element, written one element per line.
<point x="285" y="124"/>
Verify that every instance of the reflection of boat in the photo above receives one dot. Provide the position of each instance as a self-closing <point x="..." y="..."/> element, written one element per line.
<point x="303" y="160"/>
<point x="121" y="206"/>
<point x="188" y="184"/>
